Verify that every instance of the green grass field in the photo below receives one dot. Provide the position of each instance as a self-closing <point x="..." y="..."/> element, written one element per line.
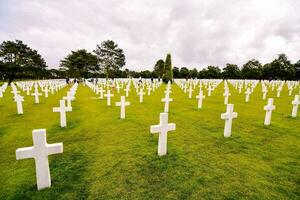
<point x="108" y="158"/>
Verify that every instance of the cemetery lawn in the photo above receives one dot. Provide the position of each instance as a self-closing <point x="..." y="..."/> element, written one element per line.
<point x="108" y="158"/>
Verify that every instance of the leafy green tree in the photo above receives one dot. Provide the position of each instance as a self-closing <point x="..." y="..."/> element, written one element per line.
<point x="111" y="58"/>
<point x="184" y="72"/>
<point x="159" y="68"/>
<point x="252" y="70"/>
<point x="176" y="72"/>
<point x="280" y="68"/>
<point x="297" y="67"/>
<point x="80" y="63"/>
<point x="231" y="71"/>
<point x="168" y="72"/>
<point x="19" y="60"/>
<point x="193" y="73"/>
<point x="212" y="72"/>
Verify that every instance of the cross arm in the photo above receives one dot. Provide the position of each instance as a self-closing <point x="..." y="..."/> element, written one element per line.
<point x="26" y="152"/>
<point x="155" y="128"/>
<point x="55" y="148"/>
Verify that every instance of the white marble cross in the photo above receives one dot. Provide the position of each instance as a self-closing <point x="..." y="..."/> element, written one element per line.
<point x="149" y="90"/>
<point x="27" y="89"/>
<point x="101" y="92"/>
<point x="226" y="96"/>
<point x="36" y="95"/>
<point x="269" y="108"/>
<point x="200" y="98"/>
<point x="69" y="99"/>
<point x="62" y="109"/>
<point x="162" y="128"/>
<point x="127" y="89"/>
<point x="190" y="90"/>
<point x="295" y="104"/>
<point x="265" y="91"/>
<point x="248" y="92"/>
<point x="40" y="152"/>
<point x="228" y="116"/>
<point x="209" y="91"/>
<point x="167" y="100"/>
<point x="19" y="99"/>
<point x="108" y="96"/>
<point x="141" y="93"/>
<point x="278" y="91"/>
<point x="123" y="103"/>
<point x="118" y="88"/>
<point x="46" y="90"/>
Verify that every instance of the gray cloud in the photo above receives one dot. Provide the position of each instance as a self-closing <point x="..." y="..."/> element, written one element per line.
<point x="197" y="33"/>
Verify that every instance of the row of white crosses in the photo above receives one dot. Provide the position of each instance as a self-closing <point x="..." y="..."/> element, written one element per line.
<point x="41" y="150"/>
<point x="62" y="109"/>
<point x="163" y="127"/>
<point x="20" y="99"/>
<point x="2" y="89"/>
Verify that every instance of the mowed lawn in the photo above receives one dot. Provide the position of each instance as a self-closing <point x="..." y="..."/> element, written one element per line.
<point x="108" y="158"/>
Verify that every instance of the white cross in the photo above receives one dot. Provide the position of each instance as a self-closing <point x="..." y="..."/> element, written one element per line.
<point x="149" y="90"/>
<point x="62" y="109"/>
<point x="46" y="90"/>
<point x="108" y="95"/>
<point x="141" y="93"/>
<point x="269" y="108"/>
<point x="167" y="99"/>
<point x="228" y="116"/>
<point x="27" y="89"/>
<point x="209" y="91"/>
<point x="290" y="91"/>
<point x="295" y="104"/>
<point x="162" y="128"/>
<point x="1" y="92"/>
<point x="118" y="88"/>
<point x="101" y="92"/>
<point x="265" y="91"/>
<point x="36" y="95"/>
<point x="69" y="98"/>
<point x="190" y="90"/>
<point x="127" y="89"/>
<point x="19" y="99"/>
<point x="123" y="103"/>
<point x="40" y="152"/>
<point x="226" y="96"/>
<point x="200" y="98"/>
<point x="248" y="92"/>
<point x="185" y="88"/>
<point x="278" y="91"/>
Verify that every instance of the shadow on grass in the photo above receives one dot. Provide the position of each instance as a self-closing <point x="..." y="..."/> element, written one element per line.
<point x="70" y="125"/>
<point x="172" y="170"/>
<point x="67" y="174"/>
<point x="2" y="131"/>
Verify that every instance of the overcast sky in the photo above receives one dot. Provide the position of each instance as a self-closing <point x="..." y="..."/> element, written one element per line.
<point x="197" y="33"/>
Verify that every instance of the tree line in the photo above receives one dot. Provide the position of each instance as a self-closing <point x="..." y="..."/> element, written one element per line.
<point x="19" y="61"/>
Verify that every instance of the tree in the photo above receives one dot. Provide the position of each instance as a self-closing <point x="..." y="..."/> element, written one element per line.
<point x="212" y="72"/>
<point x="176" y="72"/>
<point x="168" y="72"/>
<point x="297" y="67"/>
<point x="184" y="72"/>
<point x="80" y="63"/>
<point x="194" y="73"/>
<point x="231" y="71"/>
<point x="19" y="60"/>
<point x="252" y="70"/>
<point x="280" y="68"/>
<point x="159" y="68"/>
<point x="110" y="57"/>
